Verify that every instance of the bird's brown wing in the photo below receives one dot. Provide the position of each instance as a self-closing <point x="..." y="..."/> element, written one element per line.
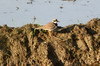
<point x="49" y="26"/>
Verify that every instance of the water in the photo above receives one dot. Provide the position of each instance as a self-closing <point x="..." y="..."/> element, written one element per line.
<point x="17" y="13"/>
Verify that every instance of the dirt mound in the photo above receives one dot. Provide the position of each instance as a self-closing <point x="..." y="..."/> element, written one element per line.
<point x="73" y="45"/>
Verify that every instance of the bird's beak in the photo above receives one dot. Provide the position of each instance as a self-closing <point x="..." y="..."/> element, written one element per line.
<point x="58" y="21"/>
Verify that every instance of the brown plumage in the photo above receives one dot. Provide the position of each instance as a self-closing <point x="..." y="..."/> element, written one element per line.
<point x="51" y="26"/>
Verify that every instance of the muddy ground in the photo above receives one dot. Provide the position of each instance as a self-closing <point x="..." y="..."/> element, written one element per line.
<point x="73" y="45"/>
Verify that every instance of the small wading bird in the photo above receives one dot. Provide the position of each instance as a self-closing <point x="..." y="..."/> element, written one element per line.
<point x="51" y="26"/>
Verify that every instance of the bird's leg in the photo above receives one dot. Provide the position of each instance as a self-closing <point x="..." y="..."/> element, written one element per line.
<point x="49" y="32"/>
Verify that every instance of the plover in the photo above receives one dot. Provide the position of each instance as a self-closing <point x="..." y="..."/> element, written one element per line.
<point x="51" y="26"/>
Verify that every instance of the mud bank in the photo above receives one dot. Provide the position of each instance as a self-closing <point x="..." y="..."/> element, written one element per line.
<point x="73" y="45"/>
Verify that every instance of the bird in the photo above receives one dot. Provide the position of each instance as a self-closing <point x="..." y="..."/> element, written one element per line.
<point x="51" y="26"/>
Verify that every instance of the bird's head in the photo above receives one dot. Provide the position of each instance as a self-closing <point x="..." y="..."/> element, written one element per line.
<point x="55" y="21"/>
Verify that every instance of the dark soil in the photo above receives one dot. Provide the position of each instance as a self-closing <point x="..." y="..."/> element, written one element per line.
<point x="73" y="45"/>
